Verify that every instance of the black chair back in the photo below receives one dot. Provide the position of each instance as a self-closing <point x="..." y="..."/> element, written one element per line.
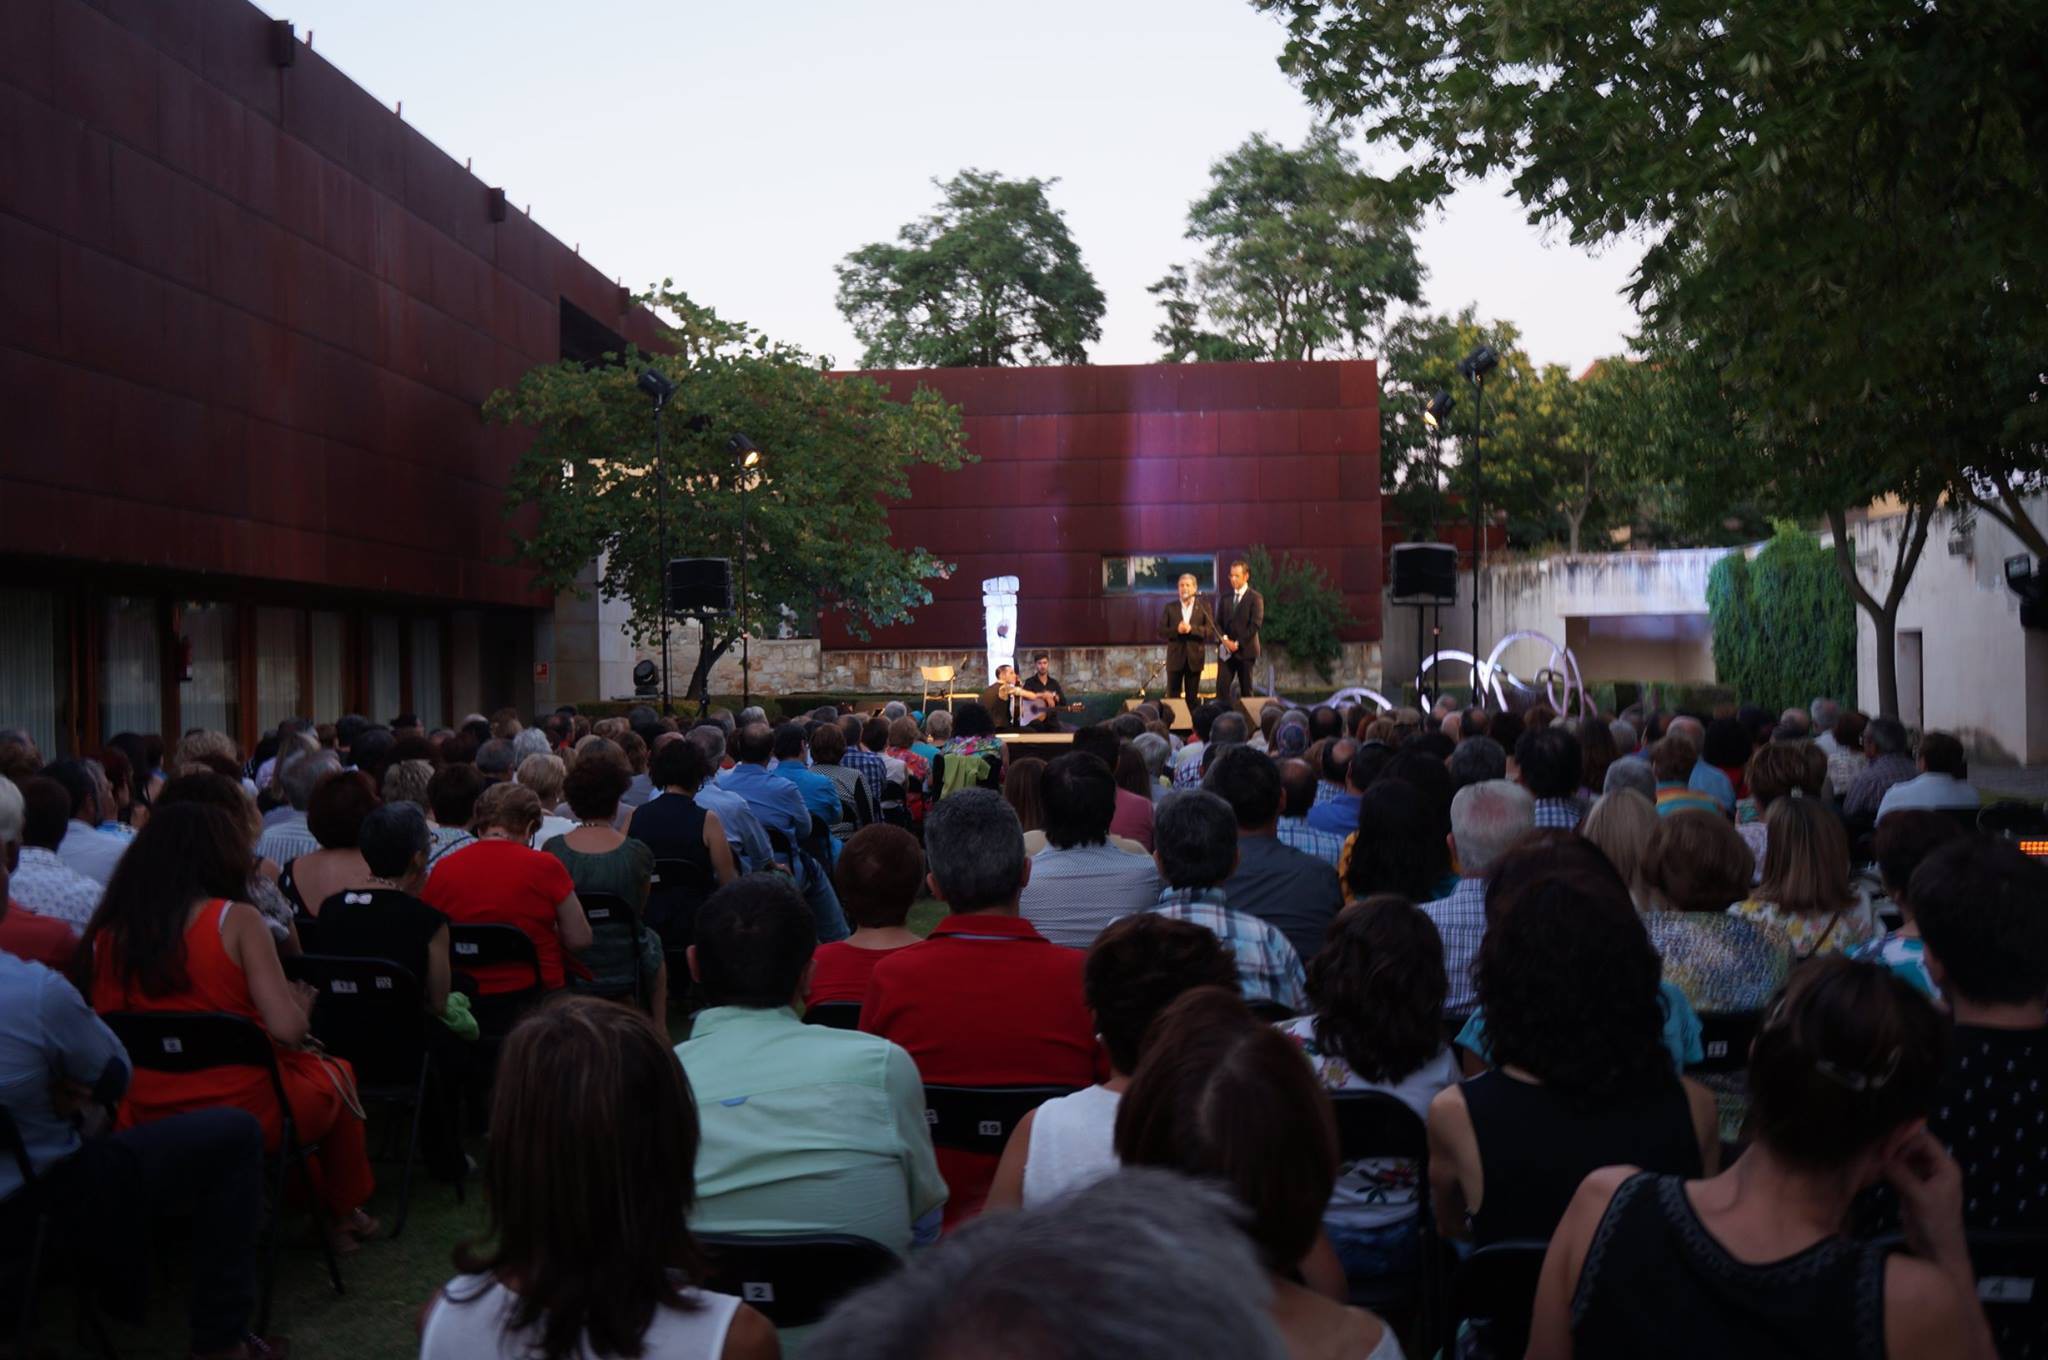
<point x="834" y="1014"/>
<point x="615" y="924"/>
<point x="370" y="1011"/>
<point x="1372" y="1125"/>
<point x="2011" y="1266"/>
<point x="1725" y="1037"/>
<point x="1375" y="1124"/>
<point x="980" y="1118"/>
<point x="1496" y="1288"/>
<point x="482" y="945"/>
<point x="12" y="1144"/>
<point x="678" y="888"/>
<point x="793" y="1279"/>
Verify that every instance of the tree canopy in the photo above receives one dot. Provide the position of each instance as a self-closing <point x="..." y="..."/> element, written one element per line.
<point x="1302" y="254"/>
<point x="584" y="490"/>
<point x="991" y="277"/>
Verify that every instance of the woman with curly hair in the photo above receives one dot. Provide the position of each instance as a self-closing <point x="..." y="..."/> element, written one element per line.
<point x="1581" y="1078"/>
<point x="1378" y="991"/>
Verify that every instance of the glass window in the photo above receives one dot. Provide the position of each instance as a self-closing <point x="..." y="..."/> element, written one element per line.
<point x="210" y="699"/>
<point x="28" y="665"/>
<point x="426" y="672"/>
<point x="386" y="667"/>
<point x="277" y="667"/>
<point x="131" y="669"/>
<point x="1157" y="575"/>
<point x="329" y="647"/>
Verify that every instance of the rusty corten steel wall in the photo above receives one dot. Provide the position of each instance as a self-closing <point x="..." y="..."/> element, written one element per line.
<point x="1080" y="463"/>
<point x="248" y="315"/>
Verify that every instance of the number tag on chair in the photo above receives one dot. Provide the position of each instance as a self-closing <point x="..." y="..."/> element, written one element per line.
<point x="173" y="1044"/>
<point x="383" y="983"/>
<point x="1717" y="1048"/>
<point x="466" y="948"/>
<point x="2005" y="1289"/>
<point x="757" y="1291"/>
<point x="931" y="1116"/>
<point x="342" y="987"/>
<point x="600" y="913"/>
<point x="991" y="1128"/>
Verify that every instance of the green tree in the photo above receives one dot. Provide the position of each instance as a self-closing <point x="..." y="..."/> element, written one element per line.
<point x="1844" y="198"/>
<point x="1302" y="254"/>
<point x="1783" y="630"/>
<point x="584" y="489"/>
<point x="1305" y="613"/>
<point x="992" y="277"/>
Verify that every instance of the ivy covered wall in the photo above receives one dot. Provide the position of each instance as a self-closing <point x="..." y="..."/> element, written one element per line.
<point x="1784" y="629"/>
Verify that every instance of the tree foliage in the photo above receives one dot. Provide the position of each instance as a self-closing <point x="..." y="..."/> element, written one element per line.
<point x="1783" y="629"/>
<point x="991" y="277"/>
<point x="585" y="487"/>
<point x="1305" y="613"/>
<point x="1302" y="253"/>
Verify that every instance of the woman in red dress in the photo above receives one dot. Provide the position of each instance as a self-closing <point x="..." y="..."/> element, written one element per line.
<point x="171" y="936"/>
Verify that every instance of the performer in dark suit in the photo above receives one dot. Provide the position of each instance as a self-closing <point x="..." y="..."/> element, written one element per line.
<point x="1187" y="628"/>
<point x="1240" y="613"/>
<point x="1000" y="698"/>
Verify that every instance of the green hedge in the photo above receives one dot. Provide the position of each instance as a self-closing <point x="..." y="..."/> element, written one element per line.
<point x="1784" y="629"/>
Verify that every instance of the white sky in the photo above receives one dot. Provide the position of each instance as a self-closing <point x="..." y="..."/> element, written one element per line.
<point x="743" y="149"/>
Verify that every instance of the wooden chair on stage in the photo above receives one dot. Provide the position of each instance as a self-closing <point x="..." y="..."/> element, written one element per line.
<point x="1207" y="689"/>
<point x="942" y="677"/>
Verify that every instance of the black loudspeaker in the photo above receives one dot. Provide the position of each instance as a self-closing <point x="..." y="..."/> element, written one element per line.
<point x="700" y="585"/>
<point x="1425" y="573"/>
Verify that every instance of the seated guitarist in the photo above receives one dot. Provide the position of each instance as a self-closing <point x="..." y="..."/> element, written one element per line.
<point x="1047" y="689"/>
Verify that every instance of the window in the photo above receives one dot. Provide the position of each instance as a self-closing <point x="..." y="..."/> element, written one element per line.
<point x="330" y="666"/>
<point x="386" y="667"/>
<point x="211" y="698"/>
<point x="426" y="672"/>
<point x="1158" y="575"/>
<point x="28" y="665"/>
<point x="131" y="683"/>
<point x="277" y="667"/>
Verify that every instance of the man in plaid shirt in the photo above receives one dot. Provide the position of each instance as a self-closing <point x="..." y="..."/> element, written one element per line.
<point x="1486" y="819"/>
<point x="872" y="769"/>
<point x="1195" y="846"/>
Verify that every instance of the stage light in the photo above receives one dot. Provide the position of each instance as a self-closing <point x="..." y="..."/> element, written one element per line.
<point x="657" y="387"/>
<point x="1438" y="410"/>
<point x="644" y="677"/>
<point x="744" y="451"/>
<point x="1481" y="361"/>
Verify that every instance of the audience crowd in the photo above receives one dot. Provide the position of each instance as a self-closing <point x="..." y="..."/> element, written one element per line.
<point x="1240" y="1036"/>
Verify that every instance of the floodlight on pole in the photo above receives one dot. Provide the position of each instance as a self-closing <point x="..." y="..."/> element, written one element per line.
<point x="746" y="456"/>
<point x="659" y="389"/>
<point x="1474" y="367"/>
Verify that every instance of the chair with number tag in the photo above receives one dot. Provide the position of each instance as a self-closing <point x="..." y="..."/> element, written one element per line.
<point x="793" y="1279"/>
<point x="980" y="1118"/>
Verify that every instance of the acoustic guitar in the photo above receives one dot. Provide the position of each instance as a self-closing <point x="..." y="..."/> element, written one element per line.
<point x="1031" y="708"/>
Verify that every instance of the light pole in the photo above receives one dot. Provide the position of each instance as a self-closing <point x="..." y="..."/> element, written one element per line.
<point x="746" y="456"/>
<point x="1434" y="415"/>
<point x="660" y="389"/>
<point x="1475" y="366"/>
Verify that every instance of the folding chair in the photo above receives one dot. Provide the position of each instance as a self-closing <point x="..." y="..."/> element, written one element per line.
<point x="1725" y="1037"/>
<point x="678" y="888"/>
<point x="980" y="1118"/>
<point x="29" y="1203"/>
<point x="941" y="676"/>
<point x="1207" y="688"/>
<point x="1373" y="1125"/>
<point x="616" y="925"/>
<point x="794" y="1279"/>
<point x="197" y="1041"/>
<point x="2011" y="1266"/>
<point x="481" y="946"/>
<point x="370" y="1011"/>
<point x="834" y="1014"/>
<point x="1496" y="1289"/>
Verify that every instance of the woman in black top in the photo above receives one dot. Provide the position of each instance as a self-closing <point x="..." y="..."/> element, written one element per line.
<point x="378" y="917"/>
<point x="1581" y="1079"/>
<point x="692" y="857"/>
<point x="1753" y="1262"/>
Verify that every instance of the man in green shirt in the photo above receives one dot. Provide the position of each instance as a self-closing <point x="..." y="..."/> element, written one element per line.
<point x="805" y="1128"/>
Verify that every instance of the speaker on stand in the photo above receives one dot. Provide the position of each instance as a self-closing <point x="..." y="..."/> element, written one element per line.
<point x="1424" y="577"/>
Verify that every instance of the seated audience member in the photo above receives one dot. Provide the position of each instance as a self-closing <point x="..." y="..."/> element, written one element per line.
<point x="1753" y="1261"/>
<point x="545" y="773"/>
<point x="1725" y="748"/>
<point x="864" y="760"/>
<point x="1225" y="1098"/>
<point x="804" y="1128"/>
<point x="1133" y="819"/>
<point x="451" y="807"/>
<point x="590" y="1183"/>
<point x="1153" y="748"/>
<point x="917" y="767"/>
<point x="973" y="756"/>
<point x="687" y="843"/>
<point x="855" y="796"/>
<point x="1805" y="892"/>
<point x="1549" y="762"/>
<point x="503" y="880"/>
<point x="1135" y="969"/>
<point x="335" y="816"/>
<point x="1905" y="839"/>
<point x="938" y="730"/>
<point x="84" y="848"/>
<point x="641" y="788"/>
<point x="1596" y="752"/>
<point x="1397" y="848"/>
<point x="1704" y="778"/>
<point x="1633" y="775"/>
<point x="1377" y="995"/>
<point x="1024" y="791"/>
<point x="298" y="774"/>
<point x="878" y="876"/>
<point x="43" y="883"/>
<point x="1776" y="771"/>
<point x="820" y="791"/>
<point x="781" y="810"/>
<point x="1582" y="1076"/>
<point x="1982" y="906"/>
<point x="1886" y="763"/>
<point x="985" y="1000"/>
<point x="1187" y="762"/>
<point x="1846" y="761"/>
<point x="1350" y="769"/>
<point x="1673" y="761"/>
<point x="1298" y="791"/>
<point x="743" y="830"/>
<point x="1078" y="1278"/>
<point x="1942" y="784"/>
<point x="1293" y="892"/>
<point x="1198" y="852"/>
<point x="1621" y="824"/>
<point x="23" y="934"/>
<point x="1476" y="760"/>
<point x="261" y="891"/>
<point x="1080" y="882"/>
<point x="171" y="937"/>
<point x="604" y="862"/>
<point x="205" y="1165"/>
<point x="405" y="781"/>
<point x="1724" y="963"/>
<point x="1486" y="820"/>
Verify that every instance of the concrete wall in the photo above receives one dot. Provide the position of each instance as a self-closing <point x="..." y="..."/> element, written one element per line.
<point x="1983" y="677"/>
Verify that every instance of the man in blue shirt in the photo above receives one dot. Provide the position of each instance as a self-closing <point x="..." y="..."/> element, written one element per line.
<point x="782" y="810"/>
<point x="821" y="795"/>
<point x="742" y="827"/>
<point x="1338" y="814"/>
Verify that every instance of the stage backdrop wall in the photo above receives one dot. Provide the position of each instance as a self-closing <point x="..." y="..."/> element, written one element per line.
<point x="1081" y="465"/>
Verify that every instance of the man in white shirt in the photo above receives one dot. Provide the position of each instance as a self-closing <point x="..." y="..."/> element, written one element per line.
<point x="42" y="882"/>
<point x="1187" y="628"/>
<point x="1942" y="784"/>
<point x="85" y="849"/>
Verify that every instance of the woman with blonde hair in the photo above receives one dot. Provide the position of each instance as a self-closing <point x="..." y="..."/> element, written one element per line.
<point x="545" y="775"/>
<point x="1806" y="893"/>
<point x="1621" y="824"/>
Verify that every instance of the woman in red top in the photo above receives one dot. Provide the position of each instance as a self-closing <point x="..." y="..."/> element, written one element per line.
<point x="878" y="876"/>
<point x="169" y="936"/>
<point x="503" y="880"/>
